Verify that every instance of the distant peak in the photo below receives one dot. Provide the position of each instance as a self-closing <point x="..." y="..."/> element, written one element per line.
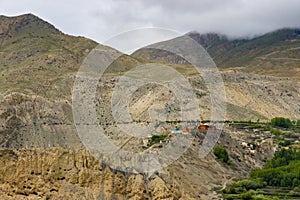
<point x="28" y="15"/>
<point x="207" y="39"/>
<point x="209" y="35"/>
<point x="287" y="31"/>
<point x="292" y="31"/>
<point x="25" y="24"/>
<point x="22" y="16"/>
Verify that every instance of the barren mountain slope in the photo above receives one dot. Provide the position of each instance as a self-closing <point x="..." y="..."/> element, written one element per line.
<point x="38" y="65"/>
<point x="55" y="173"/>
<point x="256" y="88"/>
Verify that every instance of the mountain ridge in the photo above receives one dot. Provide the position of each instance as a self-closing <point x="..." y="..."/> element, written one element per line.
<point x="12" y="28"/>
<point x="237" y="47"/>
<point x="276" y="53"/>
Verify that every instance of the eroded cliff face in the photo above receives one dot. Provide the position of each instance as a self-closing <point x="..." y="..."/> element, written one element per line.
<point x="28" y="121"/>
<point x="58" y="173"/>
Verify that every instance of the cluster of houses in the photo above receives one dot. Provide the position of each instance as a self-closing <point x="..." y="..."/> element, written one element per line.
<point x="250" y="148"/>
<point x="187" y="130"/>
<point x="190" y="129"/>
<point x="258" y="148"/>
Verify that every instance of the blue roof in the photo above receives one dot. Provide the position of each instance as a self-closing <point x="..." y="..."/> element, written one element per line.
<point x="176" y="131"/>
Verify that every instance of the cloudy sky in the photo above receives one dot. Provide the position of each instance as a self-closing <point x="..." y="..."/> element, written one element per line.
<point x="102" y="19"/>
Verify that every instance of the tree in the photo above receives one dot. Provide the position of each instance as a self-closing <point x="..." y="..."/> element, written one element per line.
<point x="221" y="153"/>
<point x="281" y="122"/>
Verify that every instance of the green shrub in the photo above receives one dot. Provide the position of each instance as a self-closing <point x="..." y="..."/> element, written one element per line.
<point x="285" y="143"/>
<point x="230" y="197"/>
<point x="233" y="190"/>
<point x="296" y="189"/>
<point x="283" y="158"/>
<point x="267" y="127"/>
<point x="222" y="154"/>
<point x="156" y="139"/>
<point x="260" y="197"/>
<point x="281" y="122"/>
<point x="275" y="132"/>
<point x="283" y="170"/>
<point x="249" y="184"/>
<point x="248" y="195"/>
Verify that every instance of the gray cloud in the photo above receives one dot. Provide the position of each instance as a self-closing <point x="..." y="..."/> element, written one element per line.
<point x="100" y="20"/>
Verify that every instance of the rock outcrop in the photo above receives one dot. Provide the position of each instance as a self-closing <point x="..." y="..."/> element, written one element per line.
<point x="59" y="173"/>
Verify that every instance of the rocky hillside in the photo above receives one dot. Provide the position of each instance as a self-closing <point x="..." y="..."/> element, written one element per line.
<point x="259" y="83"/>
<point x="64" y="174"/>
<point x="36" y="58"/>
<point x="275" y="53"/>
<point x="55" y="173"/>
<point x="37" y="66"/>
<point x="40" y="156"/>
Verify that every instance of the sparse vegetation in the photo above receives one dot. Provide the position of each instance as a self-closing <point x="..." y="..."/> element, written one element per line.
<point x="200" y="94"/>
<point x="156" y="139"/>
<point x="275" y="132"/>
